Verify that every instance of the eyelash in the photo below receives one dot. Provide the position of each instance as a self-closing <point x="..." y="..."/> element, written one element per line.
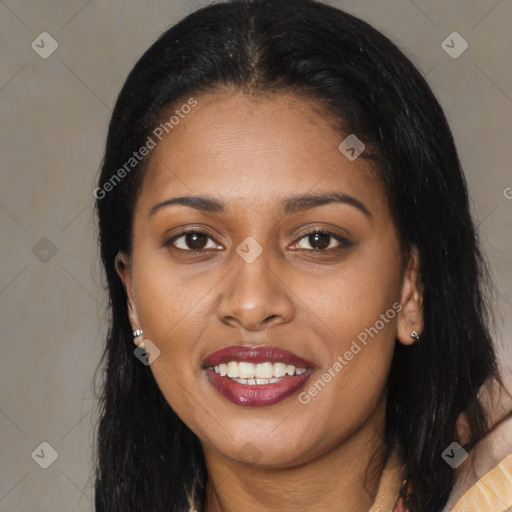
<point x="344" y="243"/>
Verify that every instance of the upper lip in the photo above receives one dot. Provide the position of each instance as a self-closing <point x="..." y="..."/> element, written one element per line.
<point x="260" y="354"/>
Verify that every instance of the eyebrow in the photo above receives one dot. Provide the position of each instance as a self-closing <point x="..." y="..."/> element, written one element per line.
<point x="289" y="205"/>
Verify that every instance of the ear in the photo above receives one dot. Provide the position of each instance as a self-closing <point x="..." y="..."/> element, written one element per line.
<point x="123" y="269"/>
<point x="411" y="315"/>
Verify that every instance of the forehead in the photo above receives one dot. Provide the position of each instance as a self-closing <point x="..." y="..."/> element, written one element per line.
<point x="240" y="147"/>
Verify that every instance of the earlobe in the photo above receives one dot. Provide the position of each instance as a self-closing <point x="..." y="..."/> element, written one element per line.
<point x="410" y="318"/>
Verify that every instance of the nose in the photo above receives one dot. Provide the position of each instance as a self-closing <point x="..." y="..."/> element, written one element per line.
<point x="253" y="296"/>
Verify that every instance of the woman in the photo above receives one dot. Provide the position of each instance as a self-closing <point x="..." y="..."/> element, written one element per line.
<point x="286" y="236"/>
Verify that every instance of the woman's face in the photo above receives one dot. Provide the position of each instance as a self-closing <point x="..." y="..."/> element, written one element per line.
<point x="261" y="279"/>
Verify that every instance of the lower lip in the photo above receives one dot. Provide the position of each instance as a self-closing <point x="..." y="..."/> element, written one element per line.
<point x="257" y="395"/>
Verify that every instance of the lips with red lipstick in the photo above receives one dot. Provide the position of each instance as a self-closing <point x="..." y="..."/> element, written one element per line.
<point x="257" y="376"/>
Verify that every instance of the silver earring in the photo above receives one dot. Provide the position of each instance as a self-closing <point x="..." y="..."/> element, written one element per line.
<point x="415" y="335"/>
<point x="137" y="333"/>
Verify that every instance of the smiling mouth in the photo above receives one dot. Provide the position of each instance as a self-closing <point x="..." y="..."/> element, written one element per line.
<point x="256" y="377"/>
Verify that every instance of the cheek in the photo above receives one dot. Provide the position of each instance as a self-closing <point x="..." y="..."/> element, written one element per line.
<point x="171" y="298"/>
<point x="176" y="314"/>
<point x="352" y="300"/>
<point x="355" y="313"/>
<point x="358" y="348"/>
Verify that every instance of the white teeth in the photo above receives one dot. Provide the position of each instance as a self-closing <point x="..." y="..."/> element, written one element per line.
<point x="290" y="369"/>
<point x="279" y="369"/>
<point x="232" y="369"/>
<point x="246" y="370"/>
<point x="253" y="382"/>
<point x="264" y="370"/>
<point x="260" y="373"/>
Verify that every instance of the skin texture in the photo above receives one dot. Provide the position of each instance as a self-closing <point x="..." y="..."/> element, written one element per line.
<point x="327" y="454"/>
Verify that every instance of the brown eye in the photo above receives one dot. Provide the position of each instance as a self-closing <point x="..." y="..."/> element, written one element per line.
<point x="195" y="241"/>
<point x="192" y="241"/>
<point x="321" y="241"/>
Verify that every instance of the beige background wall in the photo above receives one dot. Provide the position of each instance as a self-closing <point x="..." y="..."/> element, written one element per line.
<point x="54" y="116"/>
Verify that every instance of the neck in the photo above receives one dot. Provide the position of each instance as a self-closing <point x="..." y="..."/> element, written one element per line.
<point x="346" y="477"/>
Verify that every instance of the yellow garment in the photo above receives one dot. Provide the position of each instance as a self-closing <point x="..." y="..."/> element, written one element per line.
<point x="492" y="493"/>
